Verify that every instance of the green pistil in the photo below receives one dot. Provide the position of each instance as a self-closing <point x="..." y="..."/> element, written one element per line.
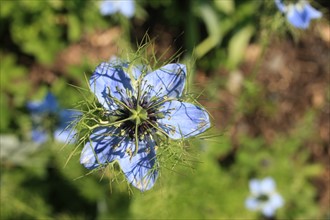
<point x="139" y="115"/>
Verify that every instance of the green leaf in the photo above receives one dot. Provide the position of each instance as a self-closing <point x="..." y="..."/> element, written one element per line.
<point x="6" y="8"/>
<point x="225" y="6"/>
<point x="211" y="21"/>
<point x="15" y="151"/>
<point x="238" y="44"/>
<point x="5" y="113"/>
<point x="74" y="28"/>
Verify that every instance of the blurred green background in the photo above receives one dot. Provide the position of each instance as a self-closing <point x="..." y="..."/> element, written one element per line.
<point x="265" y="84"/>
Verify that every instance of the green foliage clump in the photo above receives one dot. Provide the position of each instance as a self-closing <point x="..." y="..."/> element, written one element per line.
<point x="43" y="28"/>
<point x="217" y="183"/>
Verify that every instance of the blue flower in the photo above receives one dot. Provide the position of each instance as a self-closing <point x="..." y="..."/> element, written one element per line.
<point x="299" y="14"/>
<point x="264" y="197"/>
<point x="47" y="118"/>
<point x="125" y="7"/>
<point x="142" y="107"/>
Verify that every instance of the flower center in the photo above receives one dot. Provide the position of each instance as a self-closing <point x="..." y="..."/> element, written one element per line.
<point x="138" y="115"/>
<point x="263" y="198"/>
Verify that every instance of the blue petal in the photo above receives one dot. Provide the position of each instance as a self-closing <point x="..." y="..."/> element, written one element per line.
<point x="297" y="18"/>
<point x="276" y="200"/>
<point x="39" y="136"/>
<point x="267" y="185"/>
<point x="107" y="8"/>
<point x="140" y="170"/>
<point x="300" y="14"/>
<point x="67" y="117"/>
<point x="252" y="203"/>
<point x="49" y="104"/>
<point x="108" y="78"/>
<point x="255" y="187"/>
<point x="280" y="5"/>
<point x="103" y="148"/>
<point x="312" y="12"/>
<point x="183" y="120"/>
<point x="268" y="210"/>
<point x="169" y="81"/>
<point x="127" y="8"/>
<point x="64" y="136"/>
<point x="138" y="70"/>
<point x="65" y="131"/>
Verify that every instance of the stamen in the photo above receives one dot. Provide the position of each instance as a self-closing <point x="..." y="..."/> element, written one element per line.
<point x="157" y="128"/>
<point x="158" y="102"/>
<point x="117" y="101"/>
<point x="136" y="140"/>
<point x="129" y="152"/>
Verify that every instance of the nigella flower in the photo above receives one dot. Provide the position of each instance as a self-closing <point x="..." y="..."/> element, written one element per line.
<point x="299" y="14"/>
<point x="143" y="107"/>
<point x="125" y="7"/>
<point x="264" y="197"/>
<point x="48" y="118"/>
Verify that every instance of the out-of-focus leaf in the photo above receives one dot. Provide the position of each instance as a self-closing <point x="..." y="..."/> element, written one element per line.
<point x="24" y="203"/>
<point x="13" y="79"/>
<point x="225" y="6"/>
<point x="10" y="71"/>
<point x="313" y="170"/>
<point x="74" y="29"/>
<point x="14" y="151"/>
<point x="6" y="8"/>
<point x="211" y="21"/>
<point x="4" y="113"/>
<point x="238" y="44"/>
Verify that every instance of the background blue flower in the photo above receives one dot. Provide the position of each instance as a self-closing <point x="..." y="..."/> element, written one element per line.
<point x="299" y="14"/>
<point x="264" y="197"/>
<point x="57" y="120"/>
<point x="125" y="7"/>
